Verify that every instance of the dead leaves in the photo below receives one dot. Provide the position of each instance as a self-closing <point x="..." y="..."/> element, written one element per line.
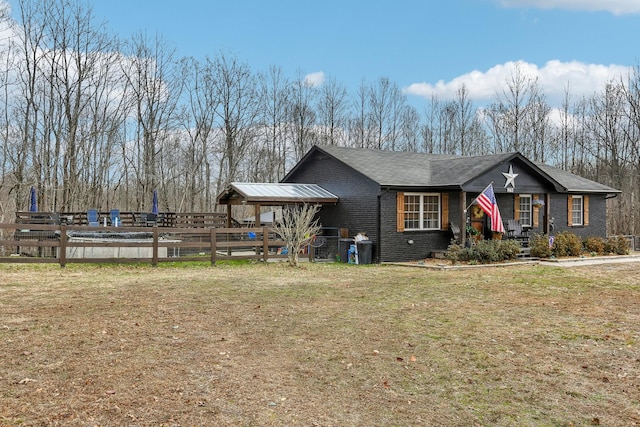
<point x="386" y="384"/>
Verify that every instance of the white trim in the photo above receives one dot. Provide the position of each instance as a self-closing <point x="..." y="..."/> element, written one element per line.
<point x="530" y="197"/>
<point x="421" y="212"/>
<point x="575" y="197"/>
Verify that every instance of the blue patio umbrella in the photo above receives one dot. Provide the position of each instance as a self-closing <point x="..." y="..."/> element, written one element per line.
<point x="33" y="206"/>
<point x="154" y="206"/>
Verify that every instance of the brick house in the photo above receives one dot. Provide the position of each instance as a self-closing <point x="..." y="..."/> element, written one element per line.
<point x="406" y="202"/>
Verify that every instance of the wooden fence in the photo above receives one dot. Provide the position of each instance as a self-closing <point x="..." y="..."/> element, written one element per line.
<point x="129" y="219"/>
<point x="43" y="243"/>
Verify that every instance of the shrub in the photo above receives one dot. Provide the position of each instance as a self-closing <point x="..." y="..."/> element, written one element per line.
<point x="484" y="251"/>
<point x="567" y="244"/>
<point x="594" y="245"/>
<point x="617" y="245"/>
<point x="508" y="249"/>
<point x="539" y="244"/>
<point x="454" y="252"/>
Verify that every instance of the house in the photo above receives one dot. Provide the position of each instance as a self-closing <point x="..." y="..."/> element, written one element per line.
<point x="406" y="202"/>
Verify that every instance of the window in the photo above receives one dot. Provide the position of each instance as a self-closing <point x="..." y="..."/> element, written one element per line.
<point x="525" y="209"/>
<point x="577" y="210"/>
<point x="421" y="211"/>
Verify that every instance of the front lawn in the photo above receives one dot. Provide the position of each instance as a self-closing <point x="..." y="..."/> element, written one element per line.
<point x="324" y="344"/>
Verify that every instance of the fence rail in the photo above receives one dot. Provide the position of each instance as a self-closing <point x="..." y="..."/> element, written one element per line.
<point x="128" y="219"/>
<point x="41" y="243"/>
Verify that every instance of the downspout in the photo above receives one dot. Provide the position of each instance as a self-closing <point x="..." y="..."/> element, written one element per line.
<point x="379" y="230"/>
<point x="463" y="218"/>
<point x="547" y="215"/>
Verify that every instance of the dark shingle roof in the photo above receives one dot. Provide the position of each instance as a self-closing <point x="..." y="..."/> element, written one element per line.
<point x="395" y="168"/>
<point x="404" y="169"/>
<point x="575" y="183"/>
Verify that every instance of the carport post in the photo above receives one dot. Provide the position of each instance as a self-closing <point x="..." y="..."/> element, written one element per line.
<point x="463" y="219"/>
<point x="62" y="250"/>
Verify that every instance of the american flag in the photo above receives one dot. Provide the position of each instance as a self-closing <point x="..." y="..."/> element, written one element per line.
<point x="487" y="201"/>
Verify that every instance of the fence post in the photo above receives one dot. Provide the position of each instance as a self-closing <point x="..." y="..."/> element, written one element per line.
<point x="265" y="244"/>
<point x="154" y="254"/>
<point x="62" y="246"/>
<point x="214" y="244"/>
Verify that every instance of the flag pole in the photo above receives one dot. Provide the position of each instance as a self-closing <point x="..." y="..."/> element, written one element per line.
<point x="474" y="200"/>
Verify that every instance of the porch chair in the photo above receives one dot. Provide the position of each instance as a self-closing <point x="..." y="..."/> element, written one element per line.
<point x="140" y="220"/>
<point x="455" y="232"/>
<point x="92" y="218"/>
<point x="515" y="231"/>
<point x="151" y="220"/>
<point x="115" y="218"/>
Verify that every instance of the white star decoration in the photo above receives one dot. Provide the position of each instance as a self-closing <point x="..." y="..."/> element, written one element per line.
<point x="511" y="177"/>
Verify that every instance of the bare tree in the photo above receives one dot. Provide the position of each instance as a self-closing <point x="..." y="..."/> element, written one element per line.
<point x="539" y="131"/>
<point x="153" y="86"/>
<point x="275" y="91"/>
<point x="62" y="64"/>
<point x="566" y="130"/>
<point x="360" y="133"/>
<point x="508" y="114"/>
<point x="30" y="42"/>
<point x="428" y="130"/>
<point x="302" y="116"/>
<point x="297" y="227"/>
<point x="387" y="103"/>
<point x="446" y="129"/>
<point x="613" y="150"/>
<point x="463" y="116"/>
<point x="409" y="136"/>
<point x="237" y="115"/>
<point x="198" y="123"/>
<point x="332" y="109"/>
<point x="6" y="83"/>
<point x="633" y="100"/>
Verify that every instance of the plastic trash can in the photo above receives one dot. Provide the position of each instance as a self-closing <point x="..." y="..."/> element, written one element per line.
<point x="365" y="251"/>
<point x="344" y="249"/>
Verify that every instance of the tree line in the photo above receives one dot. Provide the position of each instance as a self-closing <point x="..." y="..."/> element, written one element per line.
<point x="93" y="120"/>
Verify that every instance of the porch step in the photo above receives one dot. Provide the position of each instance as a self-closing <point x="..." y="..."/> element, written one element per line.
<point x="525" y="252"/>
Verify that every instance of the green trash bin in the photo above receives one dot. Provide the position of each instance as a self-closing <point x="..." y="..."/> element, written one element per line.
<point x="365" y="252"/>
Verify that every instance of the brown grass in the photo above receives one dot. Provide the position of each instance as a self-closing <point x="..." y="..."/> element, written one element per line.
<point x="322" y="345"/>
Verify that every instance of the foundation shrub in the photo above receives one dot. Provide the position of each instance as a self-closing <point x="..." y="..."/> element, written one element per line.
<point x="484" y="251"/>
<point x="616" y="245"/>
<point x="567" y="244"/>
<point x="594" y="245"/>
<point x="508" y="249"/>
<point x="539" y="244"/>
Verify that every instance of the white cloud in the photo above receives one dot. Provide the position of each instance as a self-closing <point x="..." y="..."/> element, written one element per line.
<point x="314" y="79"/>
<point x="617" y="7"/>
<point x="553" y="78"/>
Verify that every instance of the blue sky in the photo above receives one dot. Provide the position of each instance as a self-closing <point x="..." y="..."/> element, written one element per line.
<point x="423" y="46"/>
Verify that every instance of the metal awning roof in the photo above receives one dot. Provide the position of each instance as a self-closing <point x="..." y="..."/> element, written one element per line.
<point x="275" y="194"/>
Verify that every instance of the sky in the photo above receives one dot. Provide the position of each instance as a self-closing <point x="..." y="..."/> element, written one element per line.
<point x="425" y="47"/>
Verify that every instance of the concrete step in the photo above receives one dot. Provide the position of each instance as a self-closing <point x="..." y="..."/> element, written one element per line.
<point x="525" y="252"/>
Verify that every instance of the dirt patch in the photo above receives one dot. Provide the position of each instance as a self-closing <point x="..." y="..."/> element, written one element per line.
<point x="326" y="345"/>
